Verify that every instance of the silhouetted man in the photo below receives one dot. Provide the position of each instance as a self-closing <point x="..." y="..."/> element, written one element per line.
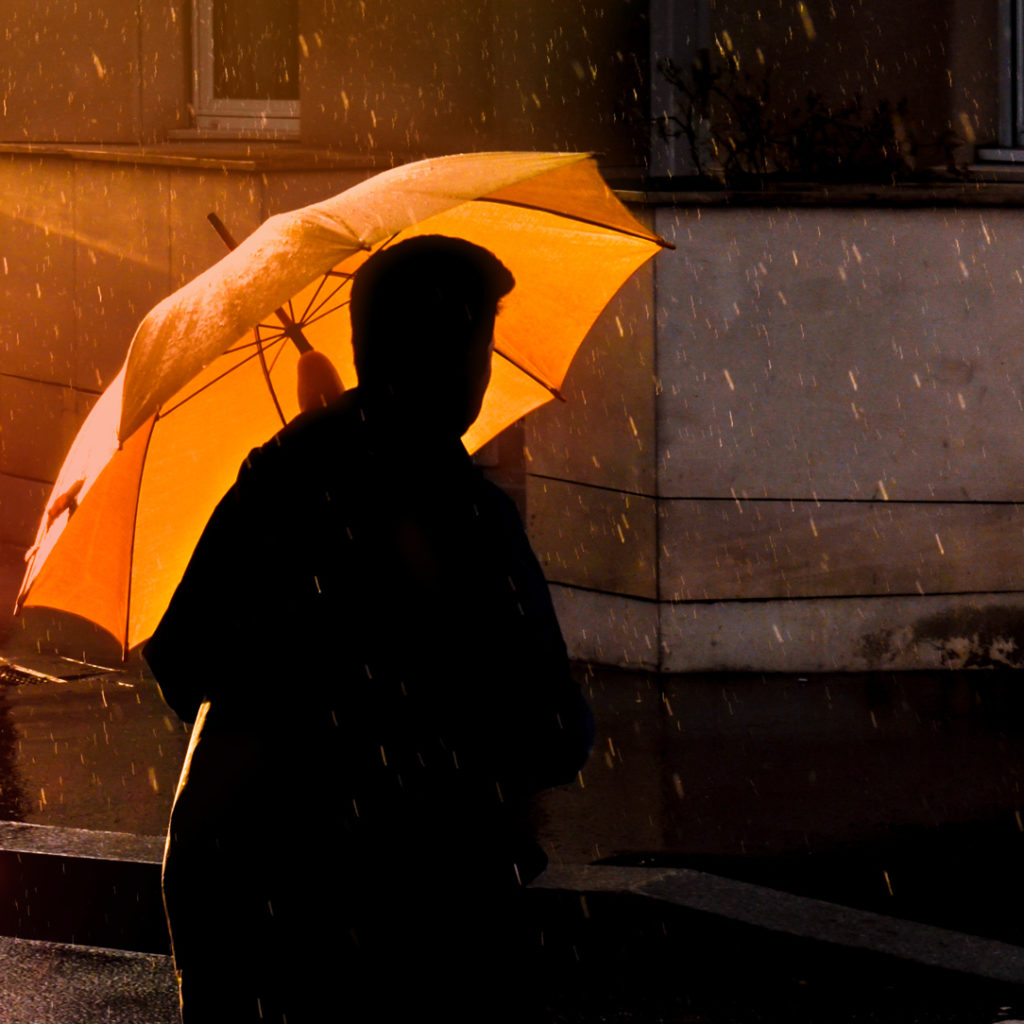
<point x="369" y="647"/>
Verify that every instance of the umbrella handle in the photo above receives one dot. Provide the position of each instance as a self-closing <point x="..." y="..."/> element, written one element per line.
<point x="292" y="330"/>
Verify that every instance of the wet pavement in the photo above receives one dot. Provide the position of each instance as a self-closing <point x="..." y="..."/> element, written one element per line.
<point x="96" y="750"/>
<point x="859" y="812"/>
<point x="48" y="983"/>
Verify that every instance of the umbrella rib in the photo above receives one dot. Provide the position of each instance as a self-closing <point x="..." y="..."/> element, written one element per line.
<point x="266" y="376"/>
<point x="309" y="314"/>
<point x="277" y="355"/>
<point x="131" y="547"/>
<point x="321" y="312"/>
<point x="313" y="298"/>
<point x="532" y="376"/>
<point x="581" y="220"/>
<point x="241" y="346"/>
<point x="217" y="379"/>
<point x="259" y="353"/>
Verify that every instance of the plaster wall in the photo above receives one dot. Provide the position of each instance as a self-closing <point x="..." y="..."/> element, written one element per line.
<point x="111" y="72"/>
<point x="413" y="77"/>
<point x="827" y="471"/>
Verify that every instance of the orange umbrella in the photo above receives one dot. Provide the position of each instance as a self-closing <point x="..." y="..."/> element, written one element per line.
<point x="212" y="371"/>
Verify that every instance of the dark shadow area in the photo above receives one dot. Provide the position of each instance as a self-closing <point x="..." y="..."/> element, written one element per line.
<point x="46" y="631"/>
<point x="621" y="959"/>
<point x="896" y="793"/>
<point x="965" y="876"/>
<point x="112" y="904"/>
<point x="760" y="766"/>
<point x="13" y="802"/>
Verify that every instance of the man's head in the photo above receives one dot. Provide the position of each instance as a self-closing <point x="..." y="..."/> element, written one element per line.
<point x="423" y="322"/>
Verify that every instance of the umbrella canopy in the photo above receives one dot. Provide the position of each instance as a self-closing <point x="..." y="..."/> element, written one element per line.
<point x="211" y="371"/>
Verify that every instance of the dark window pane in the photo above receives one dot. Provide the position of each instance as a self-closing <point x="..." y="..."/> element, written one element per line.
<point x="256" y="49"/>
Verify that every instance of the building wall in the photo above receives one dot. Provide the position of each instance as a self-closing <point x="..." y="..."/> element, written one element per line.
<point x="87" y="247"/>
<point x="826" y="469"/>
<point x="789" y="444"/>
<point x="399" y="77"/>
<point x="427" y="76"/>
<point x="412" y="77"/>
<point x="111" y="72"/>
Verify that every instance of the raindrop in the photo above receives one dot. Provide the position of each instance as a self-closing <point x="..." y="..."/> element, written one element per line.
<point x="805" y="17"/>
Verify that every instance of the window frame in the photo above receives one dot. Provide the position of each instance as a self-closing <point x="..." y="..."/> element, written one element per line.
<point x="682" y="32"/>
<point x="265" y="117"/>
<point x="1009" y="147"/>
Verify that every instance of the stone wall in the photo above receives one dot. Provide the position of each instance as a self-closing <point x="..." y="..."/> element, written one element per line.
<point x="795" y="446"/>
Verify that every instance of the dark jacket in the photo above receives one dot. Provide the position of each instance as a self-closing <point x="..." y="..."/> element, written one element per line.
<point x="382" y="662"/>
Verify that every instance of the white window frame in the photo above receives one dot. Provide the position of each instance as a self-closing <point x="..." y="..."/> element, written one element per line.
<point x="265" y="117"/>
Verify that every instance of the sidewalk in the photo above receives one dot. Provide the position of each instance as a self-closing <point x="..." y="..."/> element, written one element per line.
<point x="770" y="849"/>
<point x="619" y="960"/>
<point x="52" y="983"/>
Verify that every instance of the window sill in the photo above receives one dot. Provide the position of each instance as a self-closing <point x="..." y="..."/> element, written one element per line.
<point x="983" y="185"/>
<point x="232" y="153"/>
<point x="1001" y="155"/>
<point x="220" y="133"/>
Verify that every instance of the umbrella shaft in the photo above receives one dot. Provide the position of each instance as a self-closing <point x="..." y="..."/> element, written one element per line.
<point x="293" y="331"/>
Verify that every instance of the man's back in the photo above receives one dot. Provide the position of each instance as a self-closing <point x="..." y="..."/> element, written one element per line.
<point x="387" y="687"/>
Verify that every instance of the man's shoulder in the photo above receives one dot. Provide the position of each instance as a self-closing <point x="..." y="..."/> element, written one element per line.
<point x="310" y="441"/>
<point x="338" y="419"/>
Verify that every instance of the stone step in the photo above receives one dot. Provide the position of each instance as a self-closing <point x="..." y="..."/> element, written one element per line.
<point x="67" y="984"/>
<point x="82" y="887"/>
<point x="87" y="941"/>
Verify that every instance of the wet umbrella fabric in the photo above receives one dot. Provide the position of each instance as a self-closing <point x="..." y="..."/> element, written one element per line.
<point x="211" y="372"/>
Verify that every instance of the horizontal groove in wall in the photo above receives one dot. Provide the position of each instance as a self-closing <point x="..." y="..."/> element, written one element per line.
<point x="809" y="599"/>
<point x="781" y="500"/>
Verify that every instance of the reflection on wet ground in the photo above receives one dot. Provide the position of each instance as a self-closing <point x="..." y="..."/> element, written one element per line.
<point x="92" y="750"/>
<point x="13" y="802"/>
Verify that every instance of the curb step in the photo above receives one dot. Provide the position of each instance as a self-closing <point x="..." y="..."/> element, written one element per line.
<point x="82" y="887"/>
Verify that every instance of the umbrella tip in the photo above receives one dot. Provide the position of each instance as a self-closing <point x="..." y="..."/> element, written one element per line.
<point x="221" y="228"/>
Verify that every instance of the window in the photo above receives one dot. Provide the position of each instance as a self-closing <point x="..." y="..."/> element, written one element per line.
<point x="679" y="31"/>
<point x="245" y="70"/>
<point x="1010" y="54"/>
